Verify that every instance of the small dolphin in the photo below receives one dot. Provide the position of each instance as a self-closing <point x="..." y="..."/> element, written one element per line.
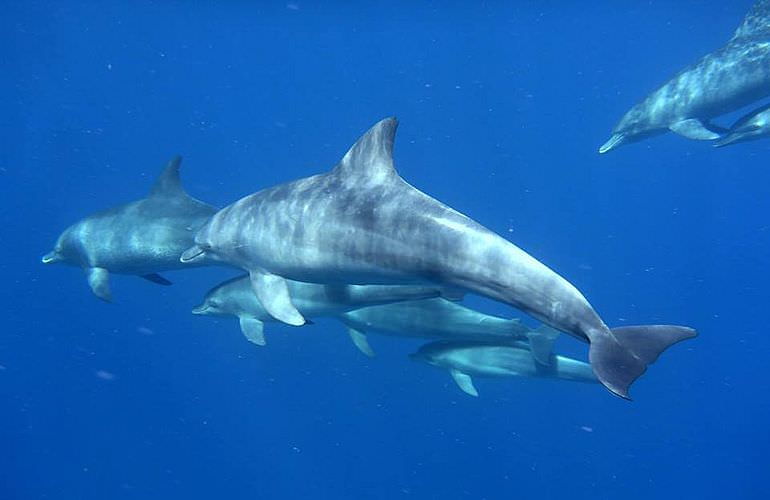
<point x="752" y="126"/>
<point x="141" y="238"/>
<point x="723" y="81"/>
<point x="443" y="319"/>
<point x="362" y="223"/>
<point x="464" y="359"/>
<point x="235" y="297"/>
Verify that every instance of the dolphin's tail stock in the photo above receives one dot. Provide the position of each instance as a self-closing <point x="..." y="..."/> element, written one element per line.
<point x="620" y="356"/>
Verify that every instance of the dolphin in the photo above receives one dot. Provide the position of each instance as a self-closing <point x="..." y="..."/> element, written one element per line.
<point x="443" y="319"/>
<point x="725" y="80"/>
<point x="235" y="297"/>
<point x="753" y="125"/>
<point x="141" y="238"/>
<point x="464" y="359"/>
<point x="361" y="223"/>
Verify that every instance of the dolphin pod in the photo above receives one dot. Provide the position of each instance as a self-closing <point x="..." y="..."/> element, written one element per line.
<point x="140" y="238"/>
<point x="361" y="223"/>
<point x="722" y="81"/>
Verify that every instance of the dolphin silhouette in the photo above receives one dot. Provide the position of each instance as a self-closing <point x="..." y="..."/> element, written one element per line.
<point x="141" y="238"/>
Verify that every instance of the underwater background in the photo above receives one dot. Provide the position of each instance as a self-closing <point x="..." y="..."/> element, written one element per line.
<point x="502" y="108"/>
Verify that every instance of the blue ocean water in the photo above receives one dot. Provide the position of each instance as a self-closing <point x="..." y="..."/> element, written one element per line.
<point x="502" y="108"/>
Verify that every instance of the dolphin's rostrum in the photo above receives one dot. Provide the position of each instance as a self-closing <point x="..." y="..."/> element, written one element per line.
<point x="361" y="223"/>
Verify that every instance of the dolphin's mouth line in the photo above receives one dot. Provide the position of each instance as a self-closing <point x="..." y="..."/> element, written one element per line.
<point x="201" y="309"/>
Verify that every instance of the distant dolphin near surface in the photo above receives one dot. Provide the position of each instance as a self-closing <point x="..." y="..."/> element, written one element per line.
<point x="465" y="359"/>
<point x="141" y="238"/>
<point x="235" y="297"/>
<point x="754" y="125"/>
<point x="362" y="223"/>
<point x="723" y="81"/>
<point x="439" y="318"/>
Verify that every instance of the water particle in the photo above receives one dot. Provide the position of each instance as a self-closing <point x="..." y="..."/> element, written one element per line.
<point x="105" y="375"/>
<point x="586" y="428"/>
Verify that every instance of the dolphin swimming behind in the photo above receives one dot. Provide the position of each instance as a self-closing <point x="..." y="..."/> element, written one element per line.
<point x="361" y="223"/>
<point x="142" y="238"/>
<point x="464" y="359"/>
<point x="235" y="297"/>
<point x="725" y="80"/>
<point x="753" y="125"/>
<point x="439" y="318"/>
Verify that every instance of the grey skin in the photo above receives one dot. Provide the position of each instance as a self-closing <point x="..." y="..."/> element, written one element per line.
<point x="361" y="223"/>
<point x="140" y="238"/>
<point x="439" y="318"/>
<point x="752" y="126"/>
<point x="235" y="297"/>
<point x="725" y="80"/>
<point x="466" y="359"/>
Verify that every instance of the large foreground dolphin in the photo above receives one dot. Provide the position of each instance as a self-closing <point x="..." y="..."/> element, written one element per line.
<point x="753" y="125"/>
<point x="362" y="223"/>
<point x="141" y="238"/>
<point x="235" y="297"/>
<point x="439" y="318"/>
<point x="723" y="81"/>
<point x="464" y="359"/>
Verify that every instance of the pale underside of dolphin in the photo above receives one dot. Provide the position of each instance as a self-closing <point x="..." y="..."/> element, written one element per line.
<point x="438" y="318"/>
<point x="140" y="238"/>
<point x="753" y="125"/>
<point x="235" y="297"/>
<point x="464" y="360"/>
<point x="361" y="223"/>
<point x="725" y="80"/>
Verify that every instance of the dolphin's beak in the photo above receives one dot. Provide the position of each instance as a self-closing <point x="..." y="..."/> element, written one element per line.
<point x="613" y="142"/>
<point x="201" y="309"/>
<point x="192" y="254"/>
<point x="50" y="258"/>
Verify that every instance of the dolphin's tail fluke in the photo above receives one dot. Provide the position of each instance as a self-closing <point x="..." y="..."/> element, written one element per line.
<point x="620" y="357"/>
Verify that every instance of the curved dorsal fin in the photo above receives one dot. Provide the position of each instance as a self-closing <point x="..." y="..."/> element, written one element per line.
<point x="168" y="183"/>
<point x="372" y="154"/>
<point x="756" y="22"/>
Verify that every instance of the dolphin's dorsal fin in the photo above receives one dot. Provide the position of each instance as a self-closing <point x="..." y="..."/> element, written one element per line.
<point x="756" y="22"/>
<point x="372" y="154"/>
<point x="169" y="183"/>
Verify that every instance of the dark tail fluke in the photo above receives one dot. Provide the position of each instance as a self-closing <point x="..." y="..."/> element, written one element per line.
<point x="622" y="357"/>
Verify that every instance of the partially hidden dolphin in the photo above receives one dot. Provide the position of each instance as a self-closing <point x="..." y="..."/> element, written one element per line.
<point x="439" y="318"/>
<point x="754" y="125"/>
<point x="235" y="297"/>
<point x="362" y="223"/>
<point x="725" y="80"/>
<point x="141" y="238"/>
<point x="465" y="359"/>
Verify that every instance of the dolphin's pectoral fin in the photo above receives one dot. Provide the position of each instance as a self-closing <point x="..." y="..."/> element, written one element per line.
<point x="693" y="128"/>
<point x="541" y="343"/>
<point x="360" y="341"/>
<point x="253" y="330"/>
<point x="464" y="381"/>
<point x="273" y="293"/>
<point x="99" y="281"/>
<point x="157" y="278"/>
